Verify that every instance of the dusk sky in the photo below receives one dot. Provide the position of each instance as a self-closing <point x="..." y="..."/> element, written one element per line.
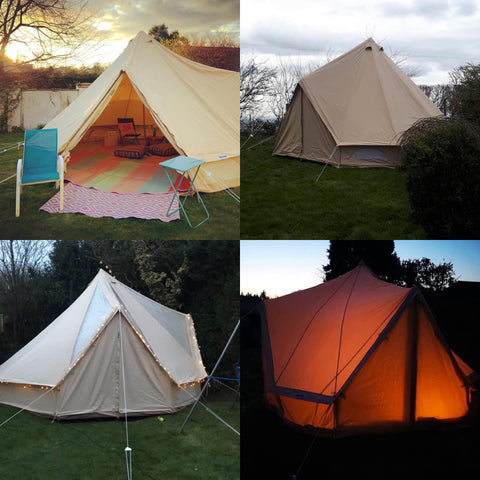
<point x="117" y="22"/>
<point x="282" y="266"/>
<point x="434" y="36"/>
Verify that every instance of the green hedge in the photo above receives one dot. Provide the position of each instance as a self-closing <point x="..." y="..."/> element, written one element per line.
<point x="442" y="163"/>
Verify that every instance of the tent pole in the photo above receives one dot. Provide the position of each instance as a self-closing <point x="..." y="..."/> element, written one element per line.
<point x="413" y="362"/>
<point x="209" y="377"/>
<point x="326" y="163"/>
<point x="144" y="126"/>
<point x="321" y="173"/>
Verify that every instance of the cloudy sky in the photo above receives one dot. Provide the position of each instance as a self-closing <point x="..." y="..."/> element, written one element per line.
<point x="283" y="266"/>
<point x="123" y="19"/>
<point x="434" y="36"/>
<point x="118" y="21"/>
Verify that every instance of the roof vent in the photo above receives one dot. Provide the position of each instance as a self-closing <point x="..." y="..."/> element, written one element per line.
<point x="368" y="48"/>
<point x="381" y="49"/>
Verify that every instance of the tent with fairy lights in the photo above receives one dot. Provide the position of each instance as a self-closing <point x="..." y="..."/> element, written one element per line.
<point x="193" y="106"/>
<point x="112" y="351"/>
<point x="357" y="354"/>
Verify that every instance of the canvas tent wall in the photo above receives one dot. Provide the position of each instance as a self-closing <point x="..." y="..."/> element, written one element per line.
<point x="195" y="106"/>
<point x="352" y="111"/>
<point x="77" y="362"/>
<point x="357" y="354"/>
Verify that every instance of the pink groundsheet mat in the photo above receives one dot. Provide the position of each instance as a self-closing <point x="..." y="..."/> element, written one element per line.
<point x="99" y="203"/>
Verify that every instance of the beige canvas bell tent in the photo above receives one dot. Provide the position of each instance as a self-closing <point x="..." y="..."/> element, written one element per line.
<point x="113" y="350"/>
<point x="357" y="354"/>
<point x="352" y="111"/>
<point x="196" y="107"/>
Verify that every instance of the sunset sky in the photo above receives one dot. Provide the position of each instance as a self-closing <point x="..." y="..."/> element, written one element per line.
<point x="119" y="21"/>
<point x="282" y="266"/>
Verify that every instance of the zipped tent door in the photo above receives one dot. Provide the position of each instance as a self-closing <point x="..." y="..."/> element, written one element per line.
<point x="93" y="385"/>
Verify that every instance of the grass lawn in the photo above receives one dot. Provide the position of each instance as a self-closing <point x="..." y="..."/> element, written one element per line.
<point x="224" y="222"/>
<point x="33" y="448"/>
<point x="282" y="200"/>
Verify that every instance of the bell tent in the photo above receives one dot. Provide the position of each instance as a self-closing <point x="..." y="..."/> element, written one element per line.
<point x="357" y="354"/>
<point x="112" y="351"/>
<point x="352" y="111"/>
<point x="196" y="107"/>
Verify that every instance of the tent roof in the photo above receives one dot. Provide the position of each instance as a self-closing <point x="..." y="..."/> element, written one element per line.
<point x="338" y="323"/>
<point x="195" y="105"/>
<point x="364" y="98"/>
<point x="169" y="335"/>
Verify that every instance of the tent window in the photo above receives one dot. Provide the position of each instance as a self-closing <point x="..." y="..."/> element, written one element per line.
<point x="369" y="154"/>
<point x="97" y="311"/>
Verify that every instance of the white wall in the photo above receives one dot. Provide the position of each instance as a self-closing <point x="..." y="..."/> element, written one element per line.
<point x="38" y="107"/>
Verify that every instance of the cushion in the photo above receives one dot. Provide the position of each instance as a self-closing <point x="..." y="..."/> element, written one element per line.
<point x="130" y="151"/>
<point x="156" y="140"/>
<point x="126" y="129"/>
<point x="162" y="149"/>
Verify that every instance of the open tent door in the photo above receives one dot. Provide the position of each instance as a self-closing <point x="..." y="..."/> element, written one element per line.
<point x="194" y="106"/>
<point x="123" y="102"/>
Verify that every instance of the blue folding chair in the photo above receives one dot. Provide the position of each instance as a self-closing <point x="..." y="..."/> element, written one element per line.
<point x="41" y="163"/>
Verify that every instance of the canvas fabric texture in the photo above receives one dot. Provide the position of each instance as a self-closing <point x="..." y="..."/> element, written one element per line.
<point x="196" y="107"/>
<point x="358" y="99"/>
<point x="357" y="354"/>
<point x="77" y="361"/>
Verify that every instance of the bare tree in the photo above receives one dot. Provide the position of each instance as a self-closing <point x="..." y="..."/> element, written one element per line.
<point x="255" y="78"/>
<point x="217" y="38"/>
<point x="440" y="95"/>
<point x="288" y="73"/>
<point x="49" y="29"/>
<point x="401" y="62"/>
<point x="18" y="260"/>
<point x="217" y="49"/>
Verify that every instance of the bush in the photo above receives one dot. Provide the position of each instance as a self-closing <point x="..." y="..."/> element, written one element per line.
<point x="442" y="163"/>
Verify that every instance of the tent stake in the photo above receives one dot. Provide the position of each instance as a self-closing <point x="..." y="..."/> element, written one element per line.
<point x="209" y="377"/>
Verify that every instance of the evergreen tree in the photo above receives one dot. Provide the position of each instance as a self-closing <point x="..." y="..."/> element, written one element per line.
<point x="378" y="255"/>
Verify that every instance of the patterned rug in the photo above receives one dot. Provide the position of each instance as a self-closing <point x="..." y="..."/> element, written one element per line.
<point x="98" y="203"/>
<point x="94" y="165"/>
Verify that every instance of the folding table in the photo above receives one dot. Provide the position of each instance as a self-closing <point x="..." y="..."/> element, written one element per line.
<point x="183" y="165"/>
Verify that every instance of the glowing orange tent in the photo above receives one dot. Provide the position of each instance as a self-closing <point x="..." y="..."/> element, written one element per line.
<point x="357" y="354"/>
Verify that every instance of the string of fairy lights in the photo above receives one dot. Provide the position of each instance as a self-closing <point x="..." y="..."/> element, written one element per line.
<point x="122" y="309"/>
<point x="106" y="268"/>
